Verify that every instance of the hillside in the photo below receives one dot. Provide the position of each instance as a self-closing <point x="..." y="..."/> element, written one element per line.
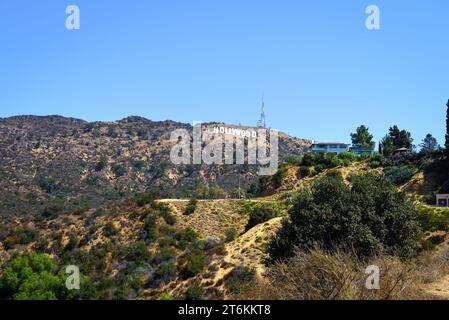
<point x="140" y="248"/>
<point x="108" y="245"/>
<point x="66" y="197"/>
<point x="52" y="164"/>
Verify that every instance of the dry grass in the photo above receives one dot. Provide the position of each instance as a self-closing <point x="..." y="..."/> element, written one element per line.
<point x="338" y="276"/>
<point x="434" y="265"/>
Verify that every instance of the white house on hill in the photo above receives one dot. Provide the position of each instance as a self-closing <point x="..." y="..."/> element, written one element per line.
<point x="330" y="147"/>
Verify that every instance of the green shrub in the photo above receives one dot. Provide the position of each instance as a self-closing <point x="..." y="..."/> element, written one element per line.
<point x="23" y="235"/>
<point x="72" y="244"/>
<point x="31" y="277"/>
<point x="164" y="254"/>
<point x="109" y="230"/>
<point x="427" y="245"/>
<point x="118" y="169"/>
<point x="231" y="234"/>
<point x="191" y="207"/>
<point x="194" y="292"/>
<point x="185" y="238"/>
<point x="53" y="210"/>
<point x="240" y="279"/>
<point x="368" y="217"/>
<point x="375" y="164"/>
<point x="150" y="231"/>
<point x="48" y="185"/>
<point x="430" y="199"/>
<point x="165" y="272"/>
<point x="279" y="176"/>
<point x="137" y="164"/>
<point x="205" y="192"/>
<point x="295" y="161"/>
<point x="144" y="199"/>
<point x="100" y="165"/>
<point x="261" y="213"/>
<point x="167" y="215"/>
<point x="137" y="252"/>
<point x="166" y="296"/>
<point x="41" y="246"/>
<point x="376" y="158"/>
<point x="309" y="159"/>
<point x="307" y="171"/>
<point x="347" y="156"/>
<point x="399" y="175"/>
<point x="187" y="234"/>
<point x="195" y="262"/>
<point x="434" y="219"/>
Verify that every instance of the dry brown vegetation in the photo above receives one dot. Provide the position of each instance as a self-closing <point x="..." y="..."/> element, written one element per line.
<point x="339" y="276"/>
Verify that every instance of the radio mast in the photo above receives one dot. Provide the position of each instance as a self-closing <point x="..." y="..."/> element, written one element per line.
<point x="261" y="123"/>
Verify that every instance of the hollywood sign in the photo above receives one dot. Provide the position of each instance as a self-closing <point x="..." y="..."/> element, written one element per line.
<point x="235" y="132"/>
<point x="223" y="145"/>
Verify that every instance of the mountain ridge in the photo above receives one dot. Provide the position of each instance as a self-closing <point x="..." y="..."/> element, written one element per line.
<point x="50" y="164"/>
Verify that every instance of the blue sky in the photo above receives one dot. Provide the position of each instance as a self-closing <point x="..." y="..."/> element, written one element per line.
<point x="321" y="71"/>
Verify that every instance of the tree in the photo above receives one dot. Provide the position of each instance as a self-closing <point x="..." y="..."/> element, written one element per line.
<point x="362" y="138"/>
<point x="447" y="129"/>
<point x="401" y="138"/>
<point x="387" y="146"/>
<point x="367" y="217"/>
<point x="261" y="213"/>
<point x="31" y="277"/>
<point x="429" y="144"/>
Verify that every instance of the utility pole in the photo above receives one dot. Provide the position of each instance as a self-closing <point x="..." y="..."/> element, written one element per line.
<point x="262" y="123"/>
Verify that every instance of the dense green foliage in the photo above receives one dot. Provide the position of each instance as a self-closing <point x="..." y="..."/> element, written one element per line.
<point x="368" y="217"/>
<point x="194" y="264"/>
<point x="191" y="206"/>
<point x="205" y="192"/>
<point x="362" y="138"/>
<point x="429" y="144"/>
<point x="262" y="212"/>
<point x="396" y="139"/>
<point x="434" y="219"/>
<point x="33" y="276"/>
<point x="194" y="292"/>
<point x="447" y="130"/>
<point x="399" y="175"/>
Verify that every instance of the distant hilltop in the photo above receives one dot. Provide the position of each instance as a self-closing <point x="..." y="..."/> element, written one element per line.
<point x="44" y="159"/>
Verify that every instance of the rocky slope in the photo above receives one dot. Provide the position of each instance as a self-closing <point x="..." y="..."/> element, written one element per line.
<point x="54" y="164"/>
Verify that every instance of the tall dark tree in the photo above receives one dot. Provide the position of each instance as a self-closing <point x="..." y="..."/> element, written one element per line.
<point x="367" y="217"/>
<point x="387" y="146"/>
<point x="447" y="129"/>
<point x="362" y="138"/>
<point x="429" y="144"/>
<point x="401" y="138"/>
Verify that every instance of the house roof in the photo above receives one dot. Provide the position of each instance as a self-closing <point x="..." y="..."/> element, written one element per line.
<point x="357" y="148"/>
<point x="402" y="149"/>
<point x="318" y="143"/>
